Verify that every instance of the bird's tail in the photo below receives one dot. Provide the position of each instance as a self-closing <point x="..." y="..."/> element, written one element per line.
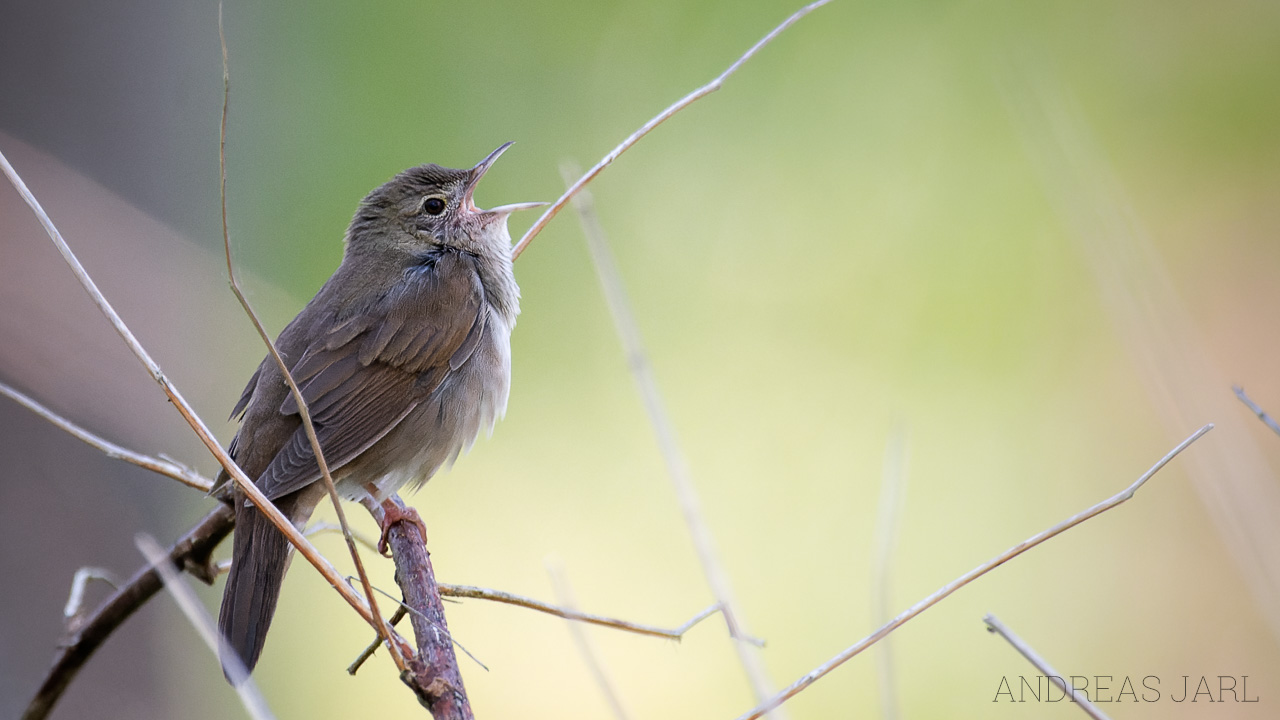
<point x="258" y="560"/>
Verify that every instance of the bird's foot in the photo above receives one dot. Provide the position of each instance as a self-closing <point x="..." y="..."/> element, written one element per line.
<point x="393" y="514"/>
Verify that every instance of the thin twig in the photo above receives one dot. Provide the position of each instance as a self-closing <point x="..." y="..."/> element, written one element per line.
<point x="564" y="596"/>
<point x="471" y="592"/>
<point x="478" y="593"/>
<point x="75" y="599"/>
<point x="198" y="426"/>
<point x="303" y="411"/>
<point x="888" y="517"/>
<point x="168" y="468"/>
<point x="657" y="120"/>
<point x="820" y="671"/>
<point x="677" y="468"/>
<point x="396" y="617"/>
<point x="190" y="605"/>
<point x="1262" y="414"/>
<point x="994" y="625"/>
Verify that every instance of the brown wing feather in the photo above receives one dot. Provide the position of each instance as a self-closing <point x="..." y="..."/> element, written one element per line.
<point x="358" y="390"/>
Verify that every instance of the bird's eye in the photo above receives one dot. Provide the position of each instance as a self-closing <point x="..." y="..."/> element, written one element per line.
<point x="433" y="206"/>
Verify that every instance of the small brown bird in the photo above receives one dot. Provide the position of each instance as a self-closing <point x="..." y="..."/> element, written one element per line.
<point x="403" y="357"/>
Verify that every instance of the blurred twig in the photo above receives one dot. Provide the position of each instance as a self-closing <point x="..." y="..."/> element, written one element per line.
<point x="677" y="469"/>
<point x="657" y="120"/>
<point x="994" y="625"/>
<point x="168" y="468"/>
<point x="199" y="618"/>
<point x="397" y="653"/>
<point x="564" y="596"/>
<point x="1262" y="414"/>
<point x="819" y="672"/>
<point x="893" y="491"/>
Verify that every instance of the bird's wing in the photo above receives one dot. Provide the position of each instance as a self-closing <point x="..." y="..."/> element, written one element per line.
<point x="367" y="372"/>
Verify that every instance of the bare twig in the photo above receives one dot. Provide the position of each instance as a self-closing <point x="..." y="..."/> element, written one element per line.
<point x="946" y="590"/>
<point x="303" y="411"/>
<point x="564" y="596"/>
<point x="363" y="657"/>
<point x="1253" y="407"/>
<point x="433" y="673"/>
<point x="199" y="618"/>
<point x="202" y="431"/>
<point x="888" y="517"/>
<point x="657" y="120"/>
<point x="478" y="593"/>
<point x="190" y="552"/>
<point x="677" y="468"/>
<point x="994" y="625"/>
<point x="156" y="464"/>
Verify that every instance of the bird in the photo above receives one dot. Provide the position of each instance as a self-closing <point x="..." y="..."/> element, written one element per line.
<point x="403" y="358"/>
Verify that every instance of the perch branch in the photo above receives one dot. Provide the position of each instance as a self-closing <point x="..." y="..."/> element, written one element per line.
<point x="304" y="412"/>
<point x="168" y="468"/>
<point x="657" y="120"/>
<point x="433" y="673"/>
<point x="819" y="672"/>
<point x="994" y="625"/>
<point x="677" y="468"/>
<point x="199" y="618"/>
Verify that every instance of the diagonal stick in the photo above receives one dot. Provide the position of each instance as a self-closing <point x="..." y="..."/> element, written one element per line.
<point x="994" y="625"/>
<point x="819" y="672"/>
<point x="657" y="120"/>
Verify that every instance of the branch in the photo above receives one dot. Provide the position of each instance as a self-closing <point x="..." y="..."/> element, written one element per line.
<point x="304" y="412"/>
<point x="433" y="674"/>
<point x="994" y="625"/>
<point x="168" y="468"/>
<point x="191" y="552"/>
<point x="677" y="468"/>
<point x="819" y="672"/>
<point x="657" y="120"/>
<point x="1262" y="414"/>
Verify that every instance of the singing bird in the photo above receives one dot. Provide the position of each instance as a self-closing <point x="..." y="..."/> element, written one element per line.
<point x="403" y="357"/>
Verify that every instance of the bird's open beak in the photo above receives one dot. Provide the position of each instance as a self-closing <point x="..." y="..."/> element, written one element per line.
<point x="478" y="172"/>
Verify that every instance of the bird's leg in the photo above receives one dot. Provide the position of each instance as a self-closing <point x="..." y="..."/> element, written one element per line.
<point x="393" y="514"/>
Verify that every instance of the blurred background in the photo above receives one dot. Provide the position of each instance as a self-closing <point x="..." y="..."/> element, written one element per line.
<point x="1035" y="243"/>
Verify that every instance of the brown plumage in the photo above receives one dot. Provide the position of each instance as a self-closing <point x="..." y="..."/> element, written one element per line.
<point x="403" y="357"/>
